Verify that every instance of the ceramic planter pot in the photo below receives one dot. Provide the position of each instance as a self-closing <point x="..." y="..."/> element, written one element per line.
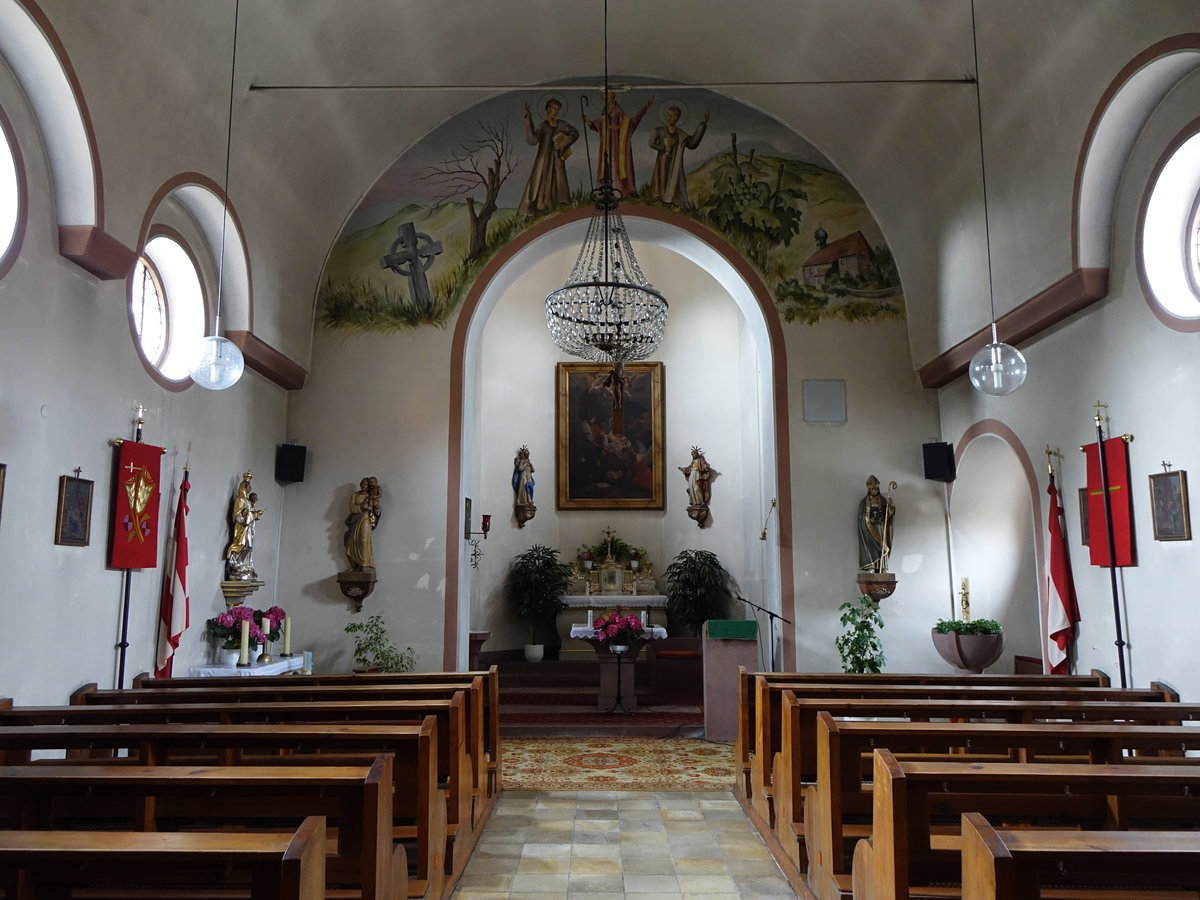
<point x="534" y="652"/>
<point x="970" y="654"/>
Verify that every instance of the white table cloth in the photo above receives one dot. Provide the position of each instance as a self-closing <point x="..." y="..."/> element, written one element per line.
<point x="278" y="667"/>
<point x="582" y="630"/>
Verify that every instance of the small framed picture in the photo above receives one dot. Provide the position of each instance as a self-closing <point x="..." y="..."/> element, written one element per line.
<point x="1083" y="517"/>
<point x="1169" y="506"/>
<point x="73" y="526"/>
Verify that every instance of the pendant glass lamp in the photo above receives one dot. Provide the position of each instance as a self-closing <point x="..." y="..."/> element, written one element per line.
<point x="607" y="311"/>
<point x="998" y="368"/>
<point x="219" y="363"/>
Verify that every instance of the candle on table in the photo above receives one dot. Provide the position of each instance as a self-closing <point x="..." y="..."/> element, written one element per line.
<point x="287" y="636"/>
<point x="308" y="661"/>
<point x="244" y="651"/>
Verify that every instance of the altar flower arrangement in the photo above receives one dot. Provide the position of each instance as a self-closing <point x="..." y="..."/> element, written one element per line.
<point x="227" y="627"/>
<point x="619" y="629"/>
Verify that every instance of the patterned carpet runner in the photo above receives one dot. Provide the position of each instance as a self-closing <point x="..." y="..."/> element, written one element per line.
<point x="616" y="763"/>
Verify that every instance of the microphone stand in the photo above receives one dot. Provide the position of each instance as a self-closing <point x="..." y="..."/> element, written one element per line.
<point x="771" y="617"/>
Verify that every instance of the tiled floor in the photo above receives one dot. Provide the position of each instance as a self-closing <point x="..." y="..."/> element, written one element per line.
<point x="603" y="845"/>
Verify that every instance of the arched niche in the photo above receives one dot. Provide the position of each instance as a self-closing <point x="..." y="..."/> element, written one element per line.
<point x="996" y="493"/>
<point x="562" y="235"/>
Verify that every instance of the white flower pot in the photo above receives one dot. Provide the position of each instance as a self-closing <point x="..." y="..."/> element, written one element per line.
<point x="534" y="652"/>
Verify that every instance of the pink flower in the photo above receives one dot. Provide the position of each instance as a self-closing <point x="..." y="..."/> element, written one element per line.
<point x="226" y="620"/>
<point x="612" y="630"/>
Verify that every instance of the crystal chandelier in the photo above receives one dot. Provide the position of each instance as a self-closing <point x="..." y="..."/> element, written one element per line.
<point x="607" y="311"/>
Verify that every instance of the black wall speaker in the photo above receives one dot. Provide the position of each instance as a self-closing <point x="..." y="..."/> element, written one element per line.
<point x="289" y="462"/>
<point x="939" y="461"/>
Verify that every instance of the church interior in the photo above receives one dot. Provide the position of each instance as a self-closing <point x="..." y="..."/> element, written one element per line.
<point x="843" y="205"/>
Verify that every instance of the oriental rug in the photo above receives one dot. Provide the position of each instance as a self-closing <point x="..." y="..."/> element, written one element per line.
<point x="616" y="764"/>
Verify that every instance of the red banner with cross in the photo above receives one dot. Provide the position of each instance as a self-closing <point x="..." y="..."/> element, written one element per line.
<point x="1116" y="457"/>
<point x="135" y="507"/>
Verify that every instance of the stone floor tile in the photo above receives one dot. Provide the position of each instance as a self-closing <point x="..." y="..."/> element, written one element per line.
<point x="497" y="884"/>
<point x="548" y="850"/>
<point x="543" y="865"/>
<point x="594" y="883"/>
<point x="754" y="867"/>
<point x="581" y="866"/>
<point x="650" y="865"/>
<point x="706" y="884"/>
<point x="539" y="883"/>
<point x="491" y="865"/>
<point x="586" y="850"/>
<point x="678" y="815"/>
<point x="644" y="884"/>
<point x="700" y="865"/>
<point x="775" y="884"/>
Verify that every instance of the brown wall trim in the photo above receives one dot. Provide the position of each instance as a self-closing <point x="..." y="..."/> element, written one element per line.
<point x="96" y="251"/>
<point x="267" y="361"/>
<point x="1061" y="300"/>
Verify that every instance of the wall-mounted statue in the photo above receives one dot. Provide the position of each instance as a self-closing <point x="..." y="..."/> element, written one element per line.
<point x="699" y="475"/>
<point x="523" y="484"/>
<point x="365" y="510"/>
<point x="876" y="514"/>
<point x="239" y="556"/>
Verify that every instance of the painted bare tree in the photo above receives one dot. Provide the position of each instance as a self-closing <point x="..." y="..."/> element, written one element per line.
<point x="482" y="162"/>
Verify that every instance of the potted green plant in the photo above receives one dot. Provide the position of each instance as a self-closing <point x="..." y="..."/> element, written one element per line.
<point x="698" y="588"/>
<point x="534" y="588"/>
<point x="859" y="645"/>
<point x="374" y="650"/>
<point x="969" y="646"/>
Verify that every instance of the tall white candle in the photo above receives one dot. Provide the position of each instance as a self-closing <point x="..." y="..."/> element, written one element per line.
<point x="287" y="636"/>
<point x="244" y="652"/>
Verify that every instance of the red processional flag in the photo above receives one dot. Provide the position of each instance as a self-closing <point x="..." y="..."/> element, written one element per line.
<point x="1116" y="456"/>
<point x="1062" y="611"/>
<point x="175" y="609"/>
<point x="135" y="510"/>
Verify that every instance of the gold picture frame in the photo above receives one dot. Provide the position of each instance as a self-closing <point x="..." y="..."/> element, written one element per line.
<point x="1169" y="506"/>
<point x="596" y="469"/>
<point x="73" y="524"/>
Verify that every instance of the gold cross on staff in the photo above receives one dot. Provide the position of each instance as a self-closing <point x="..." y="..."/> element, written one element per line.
<point x="1099" y="406"/>
<point x="141" y="411"/>
<point x="1049" y="455"/>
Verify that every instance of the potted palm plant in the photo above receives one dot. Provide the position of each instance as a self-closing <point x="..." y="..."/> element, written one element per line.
<point x="969" y="646"/>
<point x="534" y="588"/>
<point x="698" y="589"/>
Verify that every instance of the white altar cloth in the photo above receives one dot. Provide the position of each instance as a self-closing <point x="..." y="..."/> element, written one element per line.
<point x="583" y="630"/>
<point x="278" y="667"/>
<point x="607" y="601"/>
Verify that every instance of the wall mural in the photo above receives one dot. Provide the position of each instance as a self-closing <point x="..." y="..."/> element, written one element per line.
<point x="411" y="249"/>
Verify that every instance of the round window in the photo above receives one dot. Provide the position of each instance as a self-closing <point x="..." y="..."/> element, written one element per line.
<point x="1170" y="234"/>
<point x="10" y="192"/>
<point x="166" y="307"/>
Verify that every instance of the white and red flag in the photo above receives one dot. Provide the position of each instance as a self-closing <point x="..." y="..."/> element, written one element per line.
<point x="174" y="611"/>
<point x="1062" y="611"/>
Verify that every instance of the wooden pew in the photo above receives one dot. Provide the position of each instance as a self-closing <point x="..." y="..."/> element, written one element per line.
<point x="491" y="698"/>
<point x="276" y="866"/>
<point x="419" y="808"/>
<point x="247" y="690"/>
<point x="465" y="810"/>
<point x="1015" y="865"/>
<point x="355" y="800"/>
<point x="768" y="711"/>
<point x="744" y="742"/>
<point x="840" y="798"/>
<point x="917" y="808"/>
<point x="795" y="766"/>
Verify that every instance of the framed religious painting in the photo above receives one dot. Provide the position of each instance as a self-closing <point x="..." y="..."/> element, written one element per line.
<point x="610" y="443"/>
<point x="1169" y="506"/>
<point x="73" y="525"/>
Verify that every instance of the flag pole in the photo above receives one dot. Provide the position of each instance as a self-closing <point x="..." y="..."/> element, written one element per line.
<point x="124" y="643"/>
<point x="1112" y="549"/>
